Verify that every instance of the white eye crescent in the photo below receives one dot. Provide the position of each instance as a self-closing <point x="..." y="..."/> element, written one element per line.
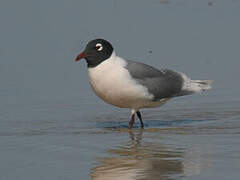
<point x="99" y="47"/>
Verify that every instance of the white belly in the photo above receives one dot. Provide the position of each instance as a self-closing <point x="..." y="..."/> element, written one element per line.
<point x="112" y="82"/>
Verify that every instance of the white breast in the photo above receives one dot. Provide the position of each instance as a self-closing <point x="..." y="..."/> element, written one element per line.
<point x="113" y="83"/>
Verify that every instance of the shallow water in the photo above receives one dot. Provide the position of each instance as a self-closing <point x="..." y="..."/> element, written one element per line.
<point x="52" y="126"/>
<point x="195" y="142"/>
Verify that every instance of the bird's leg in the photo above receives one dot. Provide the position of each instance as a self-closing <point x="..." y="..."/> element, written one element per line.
<point x="131" y="122"/>
<point x="140" y="118"/>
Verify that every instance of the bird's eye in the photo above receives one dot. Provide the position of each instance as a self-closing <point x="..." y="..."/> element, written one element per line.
<point x="99" y="47"/>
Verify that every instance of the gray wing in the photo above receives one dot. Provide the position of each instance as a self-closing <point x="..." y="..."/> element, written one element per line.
<point x="162" y="83"/>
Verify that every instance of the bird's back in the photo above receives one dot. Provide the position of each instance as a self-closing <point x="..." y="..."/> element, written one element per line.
<point x="163" y="83"/>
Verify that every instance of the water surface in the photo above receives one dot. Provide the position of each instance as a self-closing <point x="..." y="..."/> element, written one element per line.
<point x="52" y="126"/>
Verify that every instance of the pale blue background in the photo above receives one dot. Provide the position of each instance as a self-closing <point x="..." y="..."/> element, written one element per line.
<point x="45" y="97"/>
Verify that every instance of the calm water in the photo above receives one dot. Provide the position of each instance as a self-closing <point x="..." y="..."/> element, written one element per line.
<point x="53" y="127"/>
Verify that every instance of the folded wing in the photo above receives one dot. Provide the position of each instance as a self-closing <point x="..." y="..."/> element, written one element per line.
<point x="162" y="83"/>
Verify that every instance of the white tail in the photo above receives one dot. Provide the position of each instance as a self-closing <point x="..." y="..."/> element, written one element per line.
<point x="201" y="85"/>
<point x="193" y="86"/>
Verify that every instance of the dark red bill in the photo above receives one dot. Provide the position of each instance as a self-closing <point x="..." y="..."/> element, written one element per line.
<point x="80" y="56"/>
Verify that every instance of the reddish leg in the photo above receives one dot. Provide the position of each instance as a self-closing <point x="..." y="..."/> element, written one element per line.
<point x="131" y="122"/>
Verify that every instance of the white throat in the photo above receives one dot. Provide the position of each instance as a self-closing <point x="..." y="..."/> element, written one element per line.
<point x="112" y="82"/>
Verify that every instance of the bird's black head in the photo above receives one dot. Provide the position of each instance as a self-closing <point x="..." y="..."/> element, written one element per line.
<point x="96" y="51"/>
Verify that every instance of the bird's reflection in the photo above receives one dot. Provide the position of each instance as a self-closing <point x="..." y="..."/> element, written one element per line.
<point x="139" y="160"/>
